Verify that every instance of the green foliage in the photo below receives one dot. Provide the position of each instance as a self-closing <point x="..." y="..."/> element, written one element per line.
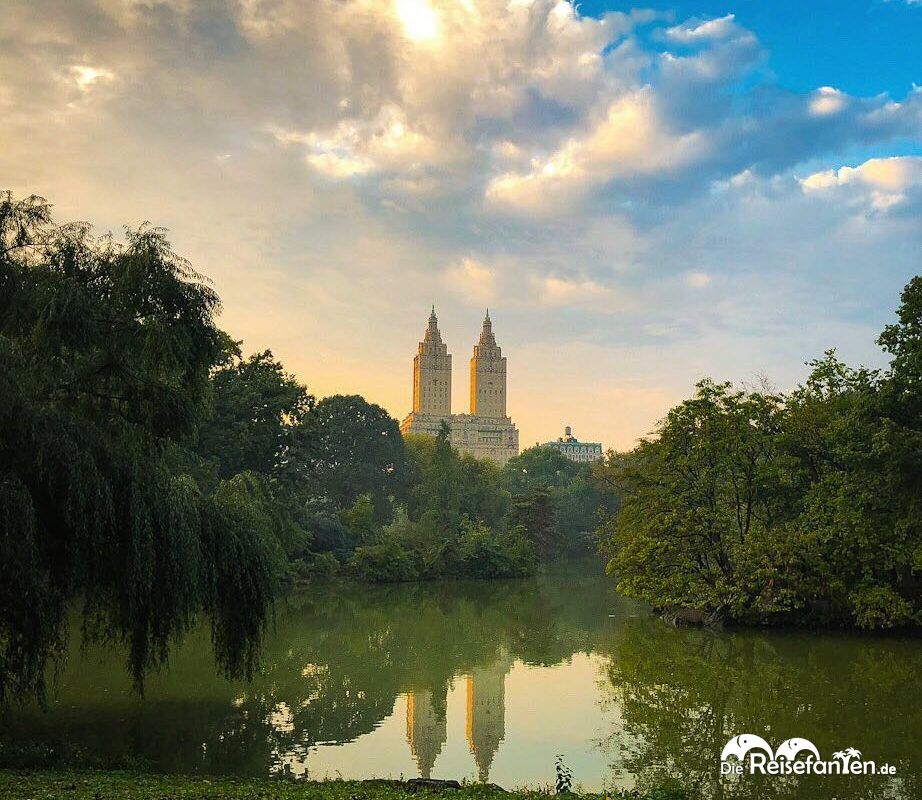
<point x="569" y="494"/>
<point x="448" y="487"/>
<point x="534" y="516"/>
<point x="387" y="562"/>
<point x="359" y="450"/>
<point x="485" y="553"/>
<point x="762" y="507"/>
<point x="258" y="419"/>
<point x="106" y="352"/>
<point x="879" y="607"/>
<point x="359" y="520"/>
<point x="421" y="550"/>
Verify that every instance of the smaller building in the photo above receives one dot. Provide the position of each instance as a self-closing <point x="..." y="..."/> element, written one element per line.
<point x="575" y="450"/>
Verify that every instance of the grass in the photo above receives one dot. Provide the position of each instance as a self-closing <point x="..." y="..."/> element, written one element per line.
<point x="97" y="785"/>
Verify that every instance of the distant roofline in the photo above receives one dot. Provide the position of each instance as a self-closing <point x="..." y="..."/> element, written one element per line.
<point x="557" y="443"/>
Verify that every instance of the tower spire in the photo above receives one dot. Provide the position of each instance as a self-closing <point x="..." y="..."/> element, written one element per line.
<point x="486" y="335"/>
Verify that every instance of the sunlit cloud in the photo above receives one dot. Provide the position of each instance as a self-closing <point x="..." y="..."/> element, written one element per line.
<point x="420" y="21"/>
<point x="85" y="77"/>
<point x="556" y="292"/>
<point x="630" y="140"/>
<point x="883" y="182"/>
<point x="473" y="281"/>
<point x="827" y="100"/>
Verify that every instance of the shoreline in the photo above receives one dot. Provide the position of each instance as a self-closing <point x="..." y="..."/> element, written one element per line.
<point x="124" y="785"/>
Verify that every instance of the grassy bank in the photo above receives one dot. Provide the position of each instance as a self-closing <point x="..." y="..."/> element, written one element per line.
<point x="93" y="785"/>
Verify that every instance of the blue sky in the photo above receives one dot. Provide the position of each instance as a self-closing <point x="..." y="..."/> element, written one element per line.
<point x="860" y="46"/>
<point x="643" y="195"/>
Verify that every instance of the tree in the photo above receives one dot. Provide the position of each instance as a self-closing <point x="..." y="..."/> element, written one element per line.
<point x="696" y="501"/>
<point x="359" y="520"/>
<point x="448" y="487"/>
<point x="572" y="491"/>
<point x="359" y="451"/>
<point x="534" y="517"/>
<point x="258" y="418"/>
<point x="538" y="467"/>
<point x="105" y="356"/>
<point x="773" y="508"/>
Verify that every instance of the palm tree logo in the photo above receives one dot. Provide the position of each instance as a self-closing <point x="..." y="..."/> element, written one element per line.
<point x="849" y="752"/>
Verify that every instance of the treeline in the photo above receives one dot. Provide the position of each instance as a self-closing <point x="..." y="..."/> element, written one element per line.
<point x="761" y="507"/>
<point x="153" y="473"/>
<point x="465" y="517"/>
<point x="350" y="497"/>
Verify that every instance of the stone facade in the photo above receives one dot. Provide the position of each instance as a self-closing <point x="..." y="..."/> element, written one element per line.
<point x="486" y="432"/>
<point x="432" y="373"/>
<point x="575" y="450"/>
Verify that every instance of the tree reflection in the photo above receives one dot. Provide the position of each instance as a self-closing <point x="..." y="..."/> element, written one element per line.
<point x="683" y="694"/>
<point x="333" y="669"/>
<point x="339" y="662"/>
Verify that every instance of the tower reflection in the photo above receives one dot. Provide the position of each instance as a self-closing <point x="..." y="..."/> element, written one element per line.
<point x="486" y="712"/>
<point x="426" y="728"/>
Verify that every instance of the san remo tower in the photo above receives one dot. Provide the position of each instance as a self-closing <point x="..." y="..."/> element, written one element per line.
<point x="486" y="432"/>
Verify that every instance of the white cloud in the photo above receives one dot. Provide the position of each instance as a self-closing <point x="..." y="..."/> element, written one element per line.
<point x="557" y="292"/>
<point x="827" y="100"/>
<point x="882" y="182"/>
<point x="630" y="140"/>
<point x="358" y="147"/>
<point x="694" y="32"/>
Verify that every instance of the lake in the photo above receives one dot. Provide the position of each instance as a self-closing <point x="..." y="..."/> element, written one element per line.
<point x="491" y="681"/>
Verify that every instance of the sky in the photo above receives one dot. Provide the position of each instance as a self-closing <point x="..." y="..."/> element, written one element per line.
<point x="642" y="195"/>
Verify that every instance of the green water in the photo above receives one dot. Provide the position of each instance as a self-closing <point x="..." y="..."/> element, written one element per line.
<point x="492" y="680"/>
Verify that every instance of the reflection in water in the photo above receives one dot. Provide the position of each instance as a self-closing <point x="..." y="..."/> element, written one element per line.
<point x="426" y="728"/>
<point x="491" y="680"/>
<point x="486" y="712"/>
<point x="683" y="693"/>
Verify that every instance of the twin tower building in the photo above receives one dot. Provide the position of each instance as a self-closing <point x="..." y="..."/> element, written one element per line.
<point x="486" y="432"/>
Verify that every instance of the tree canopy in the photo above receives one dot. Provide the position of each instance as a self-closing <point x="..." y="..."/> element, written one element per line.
<point x="799" y="507"/>
<point x="106" y="351"/>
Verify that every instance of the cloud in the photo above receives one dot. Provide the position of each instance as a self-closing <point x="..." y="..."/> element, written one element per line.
<point x="85" y="76"/>
<point x="420" y="22"/>
<point x="695" y="31"/>
<point x="883" y="183"/>
<point x="473" y="281"/>
<point x="827" y="100"/>
<point x="554" y="291"/>
<point x="629" y="186"/>
<point x="630" y="140"/>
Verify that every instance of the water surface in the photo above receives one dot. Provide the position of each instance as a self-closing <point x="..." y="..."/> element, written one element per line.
<point x="492" y="680"/>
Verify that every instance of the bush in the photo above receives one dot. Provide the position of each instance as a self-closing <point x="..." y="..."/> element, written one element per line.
<point x="387" y="562"/>
<point x="485" y="553"/>
<point x="878" y="607"/>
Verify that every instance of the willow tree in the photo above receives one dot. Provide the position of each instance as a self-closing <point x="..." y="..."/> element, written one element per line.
<point x="105" y="356"/>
